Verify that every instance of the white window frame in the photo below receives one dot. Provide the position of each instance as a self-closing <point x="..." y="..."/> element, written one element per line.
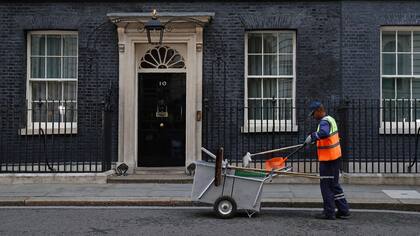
<point x="33" y="128"/>
<point x="398" y="127"/>
<point x="258" y="126"/>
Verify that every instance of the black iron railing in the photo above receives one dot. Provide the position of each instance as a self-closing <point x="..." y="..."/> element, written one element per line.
<point x="57" y="136"/>
<point x="376" y="136"/>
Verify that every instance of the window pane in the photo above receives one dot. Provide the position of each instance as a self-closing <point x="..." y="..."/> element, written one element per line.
<point x="270" y="65"/>
<point x="285" y="64"/>
<point x="254" y="109"/>
<point x="416" y="89"/>
<point x="388" y="41"/>
<point x="70" y="45"/>
<point x="53" y="112"/>
<point x="38" y="91"/>
<point x="403" y="88"/>
<point x="404" y="41"/>
<point x="388" y="64"/>
<point x="416" y="41"/>
<point x="416" y="115"/>
<point x="388" y="88"/>
<point x="53" y="45"/>
<point x="286" y="42"/>
<point x="403" y="92"/>
<point x="53" y="67"/>
<point x="254" y="88"/>
<point x="416" y="64"/>
<point x="37" y="67"/>
<point x="69" y="91"/>
<point x="70" y="112"/>
<point x="70" y="67"/>
<point x="285" y="109"/>
<point x="403" y="110"/>
<point x="39" y="112"/>
<point x="270" y="43"/>
<point x="404" y="64"/>
<point x="254" y="43"/>
<point x="269" y="106"/>
<point x="37" y="45"/>
<point x="254" y="65"/>
<point x="416" y="95"/>
<point x="388" y="110"/>
<point x="270" y="88"/>
<point x="285" y="88"/>
<point x="54" y="91"/>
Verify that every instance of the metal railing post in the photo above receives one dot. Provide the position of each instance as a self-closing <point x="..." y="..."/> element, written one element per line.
<point x="344" y="134"/>
<point x="107" y="135"/>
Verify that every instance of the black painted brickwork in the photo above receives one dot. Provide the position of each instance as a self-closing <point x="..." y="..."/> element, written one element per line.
<point x="337" y="45"/>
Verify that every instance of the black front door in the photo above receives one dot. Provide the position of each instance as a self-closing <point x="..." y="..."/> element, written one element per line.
<point x="161" y="119"/>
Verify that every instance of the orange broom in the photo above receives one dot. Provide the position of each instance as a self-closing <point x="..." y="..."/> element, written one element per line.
<point x="277" y="163"/>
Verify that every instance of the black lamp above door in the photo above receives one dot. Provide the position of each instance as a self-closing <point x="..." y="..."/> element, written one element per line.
<point x="154" y="25"/>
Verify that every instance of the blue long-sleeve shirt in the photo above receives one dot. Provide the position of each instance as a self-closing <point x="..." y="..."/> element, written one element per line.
<point x="324" y="130"/>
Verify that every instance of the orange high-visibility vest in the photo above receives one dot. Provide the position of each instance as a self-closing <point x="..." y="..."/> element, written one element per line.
<point x="329" y="147"/>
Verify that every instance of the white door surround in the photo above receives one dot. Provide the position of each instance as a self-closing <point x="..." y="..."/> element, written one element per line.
<point x="188" y="39"/>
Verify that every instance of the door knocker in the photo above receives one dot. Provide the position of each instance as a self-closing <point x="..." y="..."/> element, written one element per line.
<point x="161" y="109"/>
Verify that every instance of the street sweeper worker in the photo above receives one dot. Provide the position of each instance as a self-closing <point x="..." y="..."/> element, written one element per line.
<point x="329" y="153"/>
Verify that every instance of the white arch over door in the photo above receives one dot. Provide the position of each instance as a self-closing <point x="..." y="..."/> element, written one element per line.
<point x="161" y="58"/>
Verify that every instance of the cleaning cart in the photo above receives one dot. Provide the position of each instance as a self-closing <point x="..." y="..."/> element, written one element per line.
<point x="232" y="188"/>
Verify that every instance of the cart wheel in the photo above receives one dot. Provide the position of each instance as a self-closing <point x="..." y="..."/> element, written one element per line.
<point x="225" y="207"/>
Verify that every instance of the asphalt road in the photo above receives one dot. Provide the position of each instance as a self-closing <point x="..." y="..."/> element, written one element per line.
<point x="197" y="221"/>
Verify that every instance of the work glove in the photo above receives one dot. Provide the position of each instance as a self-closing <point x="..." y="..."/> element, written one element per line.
<point x="308" y="140"/>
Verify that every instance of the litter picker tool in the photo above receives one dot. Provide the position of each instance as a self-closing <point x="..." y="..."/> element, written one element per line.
<point x="273" y="162"/>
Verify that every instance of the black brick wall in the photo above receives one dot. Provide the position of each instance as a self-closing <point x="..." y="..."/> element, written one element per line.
<point x="361" y="22"/>
<point x="337" y="46"/>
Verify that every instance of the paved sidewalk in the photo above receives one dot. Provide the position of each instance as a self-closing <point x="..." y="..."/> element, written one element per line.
<point x="274" y="195"/>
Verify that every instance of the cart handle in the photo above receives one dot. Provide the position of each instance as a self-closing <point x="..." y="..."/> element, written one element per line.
<point x="208" y="153"/>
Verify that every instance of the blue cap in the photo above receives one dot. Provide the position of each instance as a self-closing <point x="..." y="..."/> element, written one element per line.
<point x="313" y="106"/>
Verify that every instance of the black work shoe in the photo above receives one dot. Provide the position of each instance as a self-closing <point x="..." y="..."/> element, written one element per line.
<point x="322" y="216"/>
<point x="341" y="215"/>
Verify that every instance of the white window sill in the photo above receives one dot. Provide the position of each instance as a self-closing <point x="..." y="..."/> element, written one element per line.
<point x="398" y="128"/>
<point x="49" y="129"/>
<point x="268" y="128"/>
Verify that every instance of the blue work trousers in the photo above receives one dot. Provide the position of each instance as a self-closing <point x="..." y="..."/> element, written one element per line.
<point x="332" y="193"/>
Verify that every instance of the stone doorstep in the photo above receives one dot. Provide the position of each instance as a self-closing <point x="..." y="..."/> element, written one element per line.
<point x="151" y="178"/>
<point x="154" y="175"/>
<point x="159" y="171"/>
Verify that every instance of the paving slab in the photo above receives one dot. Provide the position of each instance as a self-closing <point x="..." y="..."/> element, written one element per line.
<point x="402" y="194"/>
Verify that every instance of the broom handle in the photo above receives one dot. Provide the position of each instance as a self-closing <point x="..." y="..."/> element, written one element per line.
<point x="283" y="173"/>
<point x="276" y="150"/>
